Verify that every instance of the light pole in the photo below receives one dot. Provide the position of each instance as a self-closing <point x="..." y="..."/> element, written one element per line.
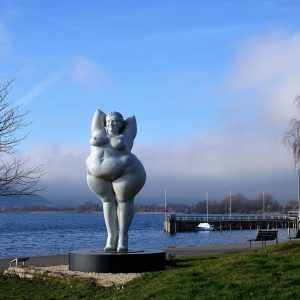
<point x="230" y="204"/>
<point x="298" y="177"/>
<point x="263" y="198"/>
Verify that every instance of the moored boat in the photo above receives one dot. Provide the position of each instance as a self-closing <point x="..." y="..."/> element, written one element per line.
<point x="205" y="227"/>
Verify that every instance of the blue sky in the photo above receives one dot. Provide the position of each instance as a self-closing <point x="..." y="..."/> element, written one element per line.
<point x="211" y="83"/>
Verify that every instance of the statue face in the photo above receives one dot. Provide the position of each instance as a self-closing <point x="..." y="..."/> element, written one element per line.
<point x="113" y="126"/>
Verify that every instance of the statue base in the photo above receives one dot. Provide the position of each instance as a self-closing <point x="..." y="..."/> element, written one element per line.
<point x="98" y="261"/>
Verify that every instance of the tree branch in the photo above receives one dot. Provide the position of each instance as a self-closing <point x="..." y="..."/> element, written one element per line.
<point x="15" y="178"/>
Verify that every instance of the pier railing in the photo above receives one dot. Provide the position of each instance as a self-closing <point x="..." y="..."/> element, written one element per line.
<point x="174" y="223"/>
<point x="230" y="218"/>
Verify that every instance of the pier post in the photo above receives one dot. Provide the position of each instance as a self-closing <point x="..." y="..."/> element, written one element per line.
<point x="170" y="224"/>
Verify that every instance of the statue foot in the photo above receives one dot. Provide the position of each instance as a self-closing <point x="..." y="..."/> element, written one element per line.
<point x="111" y="244"/>
<point x="123" y="249"/>
<point x="110" y="249"/>
<point x="123" y="244"/>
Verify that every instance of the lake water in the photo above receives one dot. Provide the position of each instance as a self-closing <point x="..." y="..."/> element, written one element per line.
<point x="51" y="234"/>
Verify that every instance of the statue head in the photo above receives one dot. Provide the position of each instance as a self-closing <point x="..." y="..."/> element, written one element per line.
<point x="114" y="123"/>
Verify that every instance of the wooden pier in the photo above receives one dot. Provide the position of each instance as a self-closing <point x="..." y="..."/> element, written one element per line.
<point x="178" y="223"/>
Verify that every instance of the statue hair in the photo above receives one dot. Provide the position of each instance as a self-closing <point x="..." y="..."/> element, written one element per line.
<point x="115" y="114"/>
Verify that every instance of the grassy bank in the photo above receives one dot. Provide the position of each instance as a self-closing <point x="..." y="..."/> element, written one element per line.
<point x="269" y="273"/>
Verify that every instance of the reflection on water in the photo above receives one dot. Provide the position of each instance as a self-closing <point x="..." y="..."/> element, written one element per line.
<point x="50" y="234"/>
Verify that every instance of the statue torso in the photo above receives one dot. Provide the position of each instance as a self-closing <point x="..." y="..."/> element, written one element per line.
<point x="109" y="157"/>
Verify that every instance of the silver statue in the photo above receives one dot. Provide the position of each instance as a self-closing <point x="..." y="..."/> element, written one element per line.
<point x="114" y="174"/>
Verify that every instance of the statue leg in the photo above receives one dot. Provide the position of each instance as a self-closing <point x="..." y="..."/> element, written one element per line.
<point x="103" y="189"/>
<point x="111" y="222"/>
<point x="125" y="189"/>
<point x="125" y="216"/>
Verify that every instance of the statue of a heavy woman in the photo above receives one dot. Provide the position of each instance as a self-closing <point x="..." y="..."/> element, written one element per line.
<point x="114" y="174"/>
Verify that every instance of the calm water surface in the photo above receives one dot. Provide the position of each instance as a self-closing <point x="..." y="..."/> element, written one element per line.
<point x="50" y="234"/>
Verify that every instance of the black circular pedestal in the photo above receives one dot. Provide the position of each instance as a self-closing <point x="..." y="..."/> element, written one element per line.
<point x="116" y="262"/>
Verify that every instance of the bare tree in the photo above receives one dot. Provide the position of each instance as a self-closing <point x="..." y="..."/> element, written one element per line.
<point x="291" y="138"/>
<point x="15" y="178"/>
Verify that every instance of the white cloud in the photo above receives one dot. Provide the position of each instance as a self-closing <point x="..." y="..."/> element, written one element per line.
<point x="268" y="67"/>
<point x="61" y="162"/>
<point x="222" y="155"/>
<point x="65" y="176"/>
<point x="81" y="70"/>
<point x="88" y="73"/>
<point x="244" y="161"/>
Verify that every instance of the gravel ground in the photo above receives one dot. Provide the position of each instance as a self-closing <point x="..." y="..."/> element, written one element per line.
<point x="116" y="278"/>
<point x="102" y="279"/>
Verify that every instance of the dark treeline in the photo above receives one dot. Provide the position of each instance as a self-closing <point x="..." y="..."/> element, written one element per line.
<point x="85" y="207"/>
<point x="88" y="207"/>
<point x="239" y="204"/>
<point x="158" y="208"/>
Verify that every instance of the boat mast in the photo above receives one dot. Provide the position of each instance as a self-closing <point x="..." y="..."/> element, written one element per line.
<point x="206" y="196"/>
<point x="230" y="204"/>
<point x="263" y="198"/>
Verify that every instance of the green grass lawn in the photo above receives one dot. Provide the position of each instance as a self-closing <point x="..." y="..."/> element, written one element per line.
<point x="268" y="273"/>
